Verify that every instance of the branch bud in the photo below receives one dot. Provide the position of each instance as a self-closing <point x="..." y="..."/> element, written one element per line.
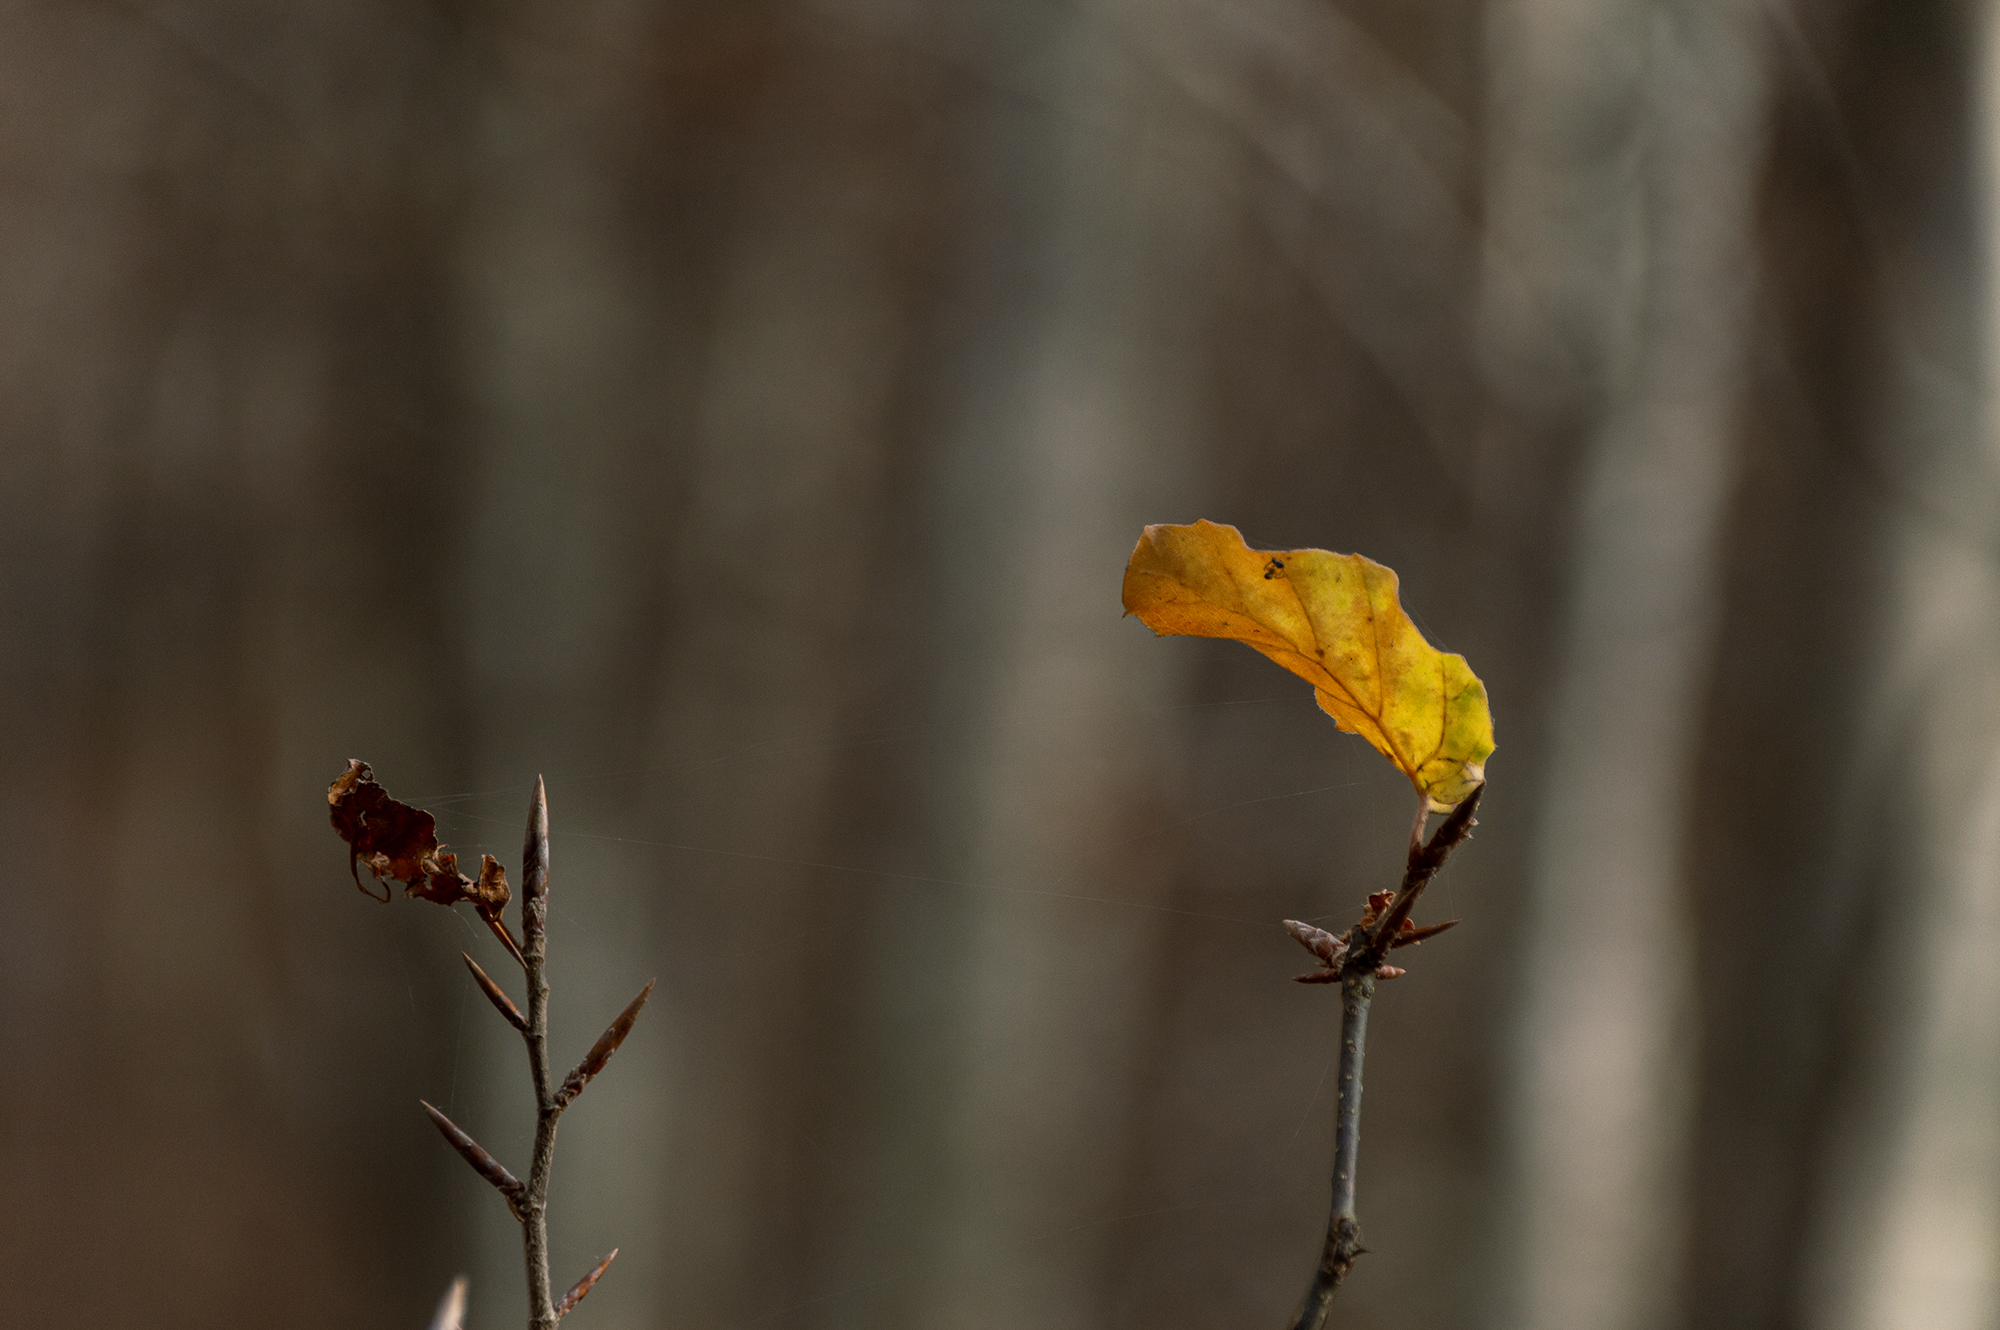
<point x="584" y="1285"/>
<point x="601" y="1051"/>
<point x="496" y="996"/>
<point x="482" y="1163"/>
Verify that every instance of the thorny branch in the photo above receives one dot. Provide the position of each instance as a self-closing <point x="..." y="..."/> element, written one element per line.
<point x="1356" y="960"/>
<point x="400" y="842"/>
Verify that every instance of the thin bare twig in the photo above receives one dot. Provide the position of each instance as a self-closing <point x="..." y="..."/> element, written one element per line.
<point x="1355" y="961"/>
<point x="530" y="1199"/>
<point x="1343" y="1229"/>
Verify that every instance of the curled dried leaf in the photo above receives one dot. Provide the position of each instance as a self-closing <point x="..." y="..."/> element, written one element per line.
<point x="400" y="843"/>
<point x="392" y="838"/>
<point x="1336" y="621"/>
<point x="447" y="886"/>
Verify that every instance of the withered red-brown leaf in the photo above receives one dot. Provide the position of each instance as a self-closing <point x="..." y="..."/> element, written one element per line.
<point x="399" y="842"/>
<point x="392" y="838"/>
<point x="447" y="886"/>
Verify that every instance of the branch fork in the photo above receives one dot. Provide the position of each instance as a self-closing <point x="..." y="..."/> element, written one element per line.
<point x="1356" y="960"/>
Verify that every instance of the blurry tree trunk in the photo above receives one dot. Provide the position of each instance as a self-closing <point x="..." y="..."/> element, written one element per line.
<point x="688" y="616"/>
<point x="1074" y="419"/>
<point x="222" y="292"/>
<point x="1624" y="146"/>
<point x="562" y="356"/>
<point x="1906" y="1225"/>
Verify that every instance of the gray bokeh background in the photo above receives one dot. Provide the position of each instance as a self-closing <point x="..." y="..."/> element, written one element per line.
<point x="741" y="413"/>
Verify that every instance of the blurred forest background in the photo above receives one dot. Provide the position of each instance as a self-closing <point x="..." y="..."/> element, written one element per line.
<point x="741" y="413"/>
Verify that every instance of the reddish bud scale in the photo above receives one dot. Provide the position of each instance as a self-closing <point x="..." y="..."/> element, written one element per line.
<point x="482" y="1163"/>
<point x="494" y="994"/>
<point x="601" y="1051"/>
<point x="583" y="1286"/>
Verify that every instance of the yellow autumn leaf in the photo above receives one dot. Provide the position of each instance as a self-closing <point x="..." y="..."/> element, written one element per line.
<point x="1336" y="622"/>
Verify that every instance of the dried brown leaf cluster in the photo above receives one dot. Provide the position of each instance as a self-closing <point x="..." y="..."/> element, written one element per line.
<point x="399" y="842"/>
